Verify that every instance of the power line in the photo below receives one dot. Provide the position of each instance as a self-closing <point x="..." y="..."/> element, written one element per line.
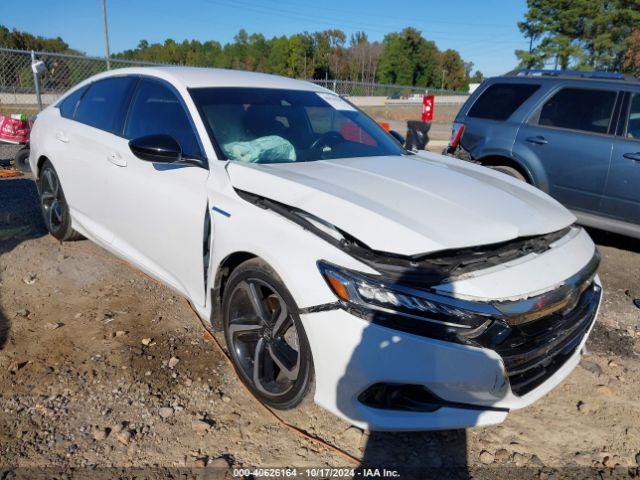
<point x="391" y="17"/>
<point x="317" y="19"/>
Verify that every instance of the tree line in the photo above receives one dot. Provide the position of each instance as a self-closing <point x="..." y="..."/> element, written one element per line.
<point x="405" y="58"/>
<point x="582" y="34"/>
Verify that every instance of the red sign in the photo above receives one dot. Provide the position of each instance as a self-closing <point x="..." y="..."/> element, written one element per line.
<point x="428" y="105"/>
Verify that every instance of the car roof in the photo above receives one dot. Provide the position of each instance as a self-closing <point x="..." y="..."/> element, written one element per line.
<point x="197" y="77"/>
<point x="556" y="78"/>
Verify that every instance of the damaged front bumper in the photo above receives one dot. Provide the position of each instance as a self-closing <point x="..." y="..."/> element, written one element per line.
<point x="470" y="386"/>
<point x="393" y="373"/>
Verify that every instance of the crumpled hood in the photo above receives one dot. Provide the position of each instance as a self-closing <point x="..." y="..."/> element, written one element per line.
<point x="408" y="204"/>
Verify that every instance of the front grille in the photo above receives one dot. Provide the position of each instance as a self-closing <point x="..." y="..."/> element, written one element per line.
<point x="534" y="351"/>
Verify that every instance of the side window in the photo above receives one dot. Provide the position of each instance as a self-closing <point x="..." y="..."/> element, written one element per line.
<point x="633" y="119"/>
<point x="156" y="110"/>
<point x="579" y="109"/>
<point x="68" y="105"/>
<point x="105" y="103"/>
<point x="500" y="100"/>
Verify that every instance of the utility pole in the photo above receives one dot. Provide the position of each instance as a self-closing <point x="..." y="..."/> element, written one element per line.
<point x="106" y="33"/>
<point x="442" y="85"/>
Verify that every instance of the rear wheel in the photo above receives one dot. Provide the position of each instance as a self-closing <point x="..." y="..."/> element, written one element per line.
<point x="55" y="209"/>
<point x="266" y="341"/>
<point x="512" y="172"/>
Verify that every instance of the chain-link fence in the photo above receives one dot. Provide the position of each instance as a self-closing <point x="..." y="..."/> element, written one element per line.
<point x="61" y="72"/>
<point x="364" y="89"/>
<point x="18" y="90"/>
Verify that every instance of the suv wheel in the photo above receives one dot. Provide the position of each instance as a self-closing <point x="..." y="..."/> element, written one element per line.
<point x="266" y="341"/>
<point x="509" y="171"/>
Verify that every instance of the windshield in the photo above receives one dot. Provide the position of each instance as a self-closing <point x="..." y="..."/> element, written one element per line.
<point x="262" y="125"/>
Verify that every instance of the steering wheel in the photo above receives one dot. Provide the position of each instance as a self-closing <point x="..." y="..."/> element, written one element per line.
<point x="328" y="139"/>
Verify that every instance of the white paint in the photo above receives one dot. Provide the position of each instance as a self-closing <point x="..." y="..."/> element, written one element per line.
<point x="404" y="205"/>
<point x="417" y="205"/>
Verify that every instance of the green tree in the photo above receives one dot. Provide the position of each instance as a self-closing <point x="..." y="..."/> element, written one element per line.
<point x="409" y="59"/>
<point x="404" y="57"/>
<point x="609" y="25"/>
<point x="559" y="26"/>
<point x="477" y="77"/>
<point x="26" y="41"/>
<point x="632" y="55"/>
<point x="578" y="33"/>
<point x="278" y="55"/>
<point x="456" y="76"/>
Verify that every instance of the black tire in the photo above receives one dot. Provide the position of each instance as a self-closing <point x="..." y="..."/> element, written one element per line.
<point x="512" y="172"/>
<point x="21" y="160"/>
<point x="55" y="209"/>
<point x="283" y="376"/>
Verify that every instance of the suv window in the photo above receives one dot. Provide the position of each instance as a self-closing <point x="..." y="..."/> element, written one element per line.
<point x="68" y="105"/>
<point x="633" y="119"/>
<point x="156" y="110"/>
<point x="104" y="104"/>
<point x="500" y="100"/>
<point x="579" y="109"/>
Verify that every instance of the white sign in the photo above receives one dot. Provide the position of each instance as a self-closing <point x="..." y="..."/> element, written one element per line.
<point x="335" y="101"/>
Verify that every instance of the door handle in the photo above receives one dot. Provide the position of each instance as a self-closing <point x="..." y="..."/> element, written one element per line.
<point x="635" y="156"/>
<point x="60" y="136"/>
<point x="117" y="159"/>
<point x="538" y="140"/>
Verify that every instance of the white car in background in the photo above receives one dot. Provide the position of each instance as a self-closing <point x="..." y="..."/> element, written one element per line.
<point x="403" y="291"/>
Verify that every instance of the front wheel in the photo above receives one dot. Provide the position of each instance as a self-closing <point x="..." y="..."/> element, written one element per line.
<point x="266" y="341"/>
<point x="55" y="209"/>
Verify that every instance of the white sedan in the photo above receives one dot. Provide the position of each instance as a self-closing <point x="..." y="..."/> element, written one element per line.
<point x="402" y="290"/>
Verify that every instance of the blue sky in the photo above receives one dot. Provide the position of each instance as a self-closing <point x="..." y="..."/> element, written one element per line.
<point x="484" y="32"/>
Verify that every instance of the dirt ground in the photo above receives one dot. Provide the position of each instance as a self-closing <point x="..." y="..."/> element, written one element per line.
<point x="101" y="367"/>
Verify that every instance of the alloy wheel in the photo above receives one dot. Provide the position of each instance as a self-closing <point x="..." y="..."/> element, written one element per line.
<point x="52" y="200"/>
<point x="263" y="337"/>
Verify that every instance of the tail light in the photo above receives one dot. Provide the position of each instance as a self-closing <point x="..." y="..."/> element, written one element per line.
<point x="456" y="134"/>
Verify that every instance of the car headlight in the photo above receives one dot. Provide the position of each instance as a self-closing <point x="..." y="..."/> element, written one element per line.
<point x="375" y="296"/>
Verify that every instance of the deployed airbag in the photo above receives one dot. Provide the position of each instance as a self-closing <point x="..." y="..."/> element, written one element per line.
<point x="271" y="148"/>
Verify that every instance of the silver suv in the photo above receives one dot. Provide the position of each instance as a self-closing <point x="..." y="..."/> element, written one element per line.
<point x="573" y="134"/>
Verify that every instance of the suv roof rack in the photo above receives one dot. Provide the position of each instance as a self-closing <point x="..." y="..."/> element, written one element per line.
<point x="538" y="72"/>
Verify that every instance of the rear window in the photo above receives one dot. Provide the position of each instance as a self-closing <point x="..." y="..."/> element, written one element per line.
<point x="104" y="104"/>
<point x="68" y="105"/>
<point x="579" y="109"/>
<point x="500" y="100"/>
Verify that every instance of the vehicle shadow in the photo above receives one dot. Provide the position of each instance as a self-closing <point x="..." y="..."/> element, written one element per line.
<point x="20" y="220"/>
<point x="615" y="240"/>
<point x="412" y="454"/>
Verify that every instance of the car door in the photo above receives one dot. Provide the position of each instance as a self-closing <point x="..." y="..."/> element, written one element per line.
<point x="569" y="137"/>
<point x="622" y="193"/>
<point x="98" y="118"/>
<point x="160" y="209"/>
<point x="62" y="151"/>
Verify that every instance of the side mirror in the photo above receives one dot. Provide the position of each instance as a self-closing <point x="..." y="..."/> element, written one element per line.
<point x="397" y="136"/>
<point x="156" y="148"/>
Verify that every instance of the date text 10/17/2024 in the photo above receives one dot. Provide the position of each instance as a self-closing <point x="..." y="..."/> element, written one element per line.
<point x="316" y="472"/>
